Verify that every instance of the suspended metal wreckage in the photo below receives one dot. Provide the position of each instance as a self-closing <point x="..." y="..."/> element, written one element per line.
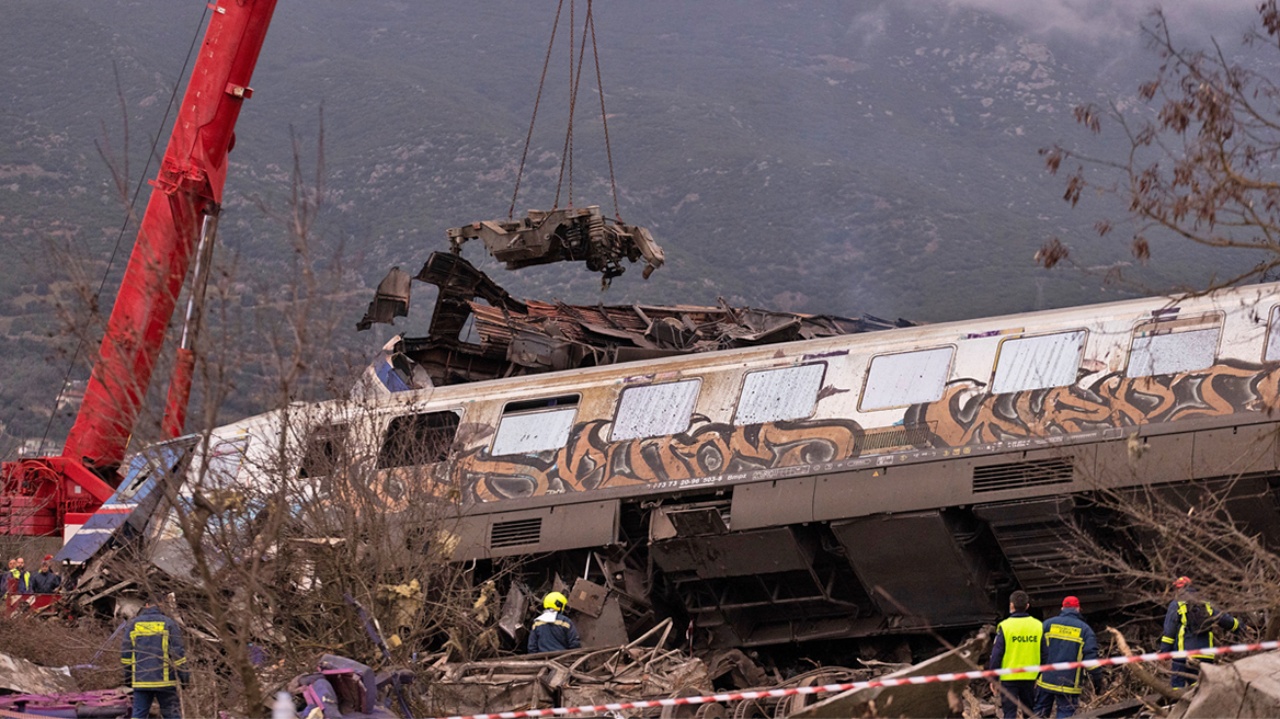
<point x="568" y="234"/>
<point x="521" y="337"/>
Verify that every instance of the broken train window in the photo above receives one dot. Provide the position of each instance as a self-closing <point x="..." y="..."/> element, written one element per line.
<point x="654" y="410"/>
<point x="423" y="438"/>
<point x="897" y="380"/>
<point x="535" y="425"/>
<point x="1038" y="362"/>
<point x="775" y="395"/>
<point x="222" y="465"/>
<point x="1162" y="347"/>
<point x="325" y="451"/>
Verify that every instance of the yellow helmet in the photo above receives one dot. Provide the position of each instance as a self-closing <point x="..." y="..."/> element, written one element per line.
<point x="556" y="601"/>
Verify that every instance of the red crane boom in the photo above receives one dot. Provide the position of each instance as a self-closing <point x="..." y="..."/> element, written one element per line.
<point x="188" y="188"/>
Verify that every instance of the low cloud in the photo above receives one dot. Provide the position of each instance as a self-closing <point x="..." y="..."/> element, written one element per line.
<point x="1108" y="19"/>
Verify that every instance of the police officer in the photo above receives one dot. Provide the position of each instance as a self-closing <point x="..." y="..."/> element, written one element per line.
<point x="1017" y="644"/>
<point x="1188" y="625"/>
<point x="1067" y="638"/>
<point x="553" y="630"/>
<point x="154" y="660"/>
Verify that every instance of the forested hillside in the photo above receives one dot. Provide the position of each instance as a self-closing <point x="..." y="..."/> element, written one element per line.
<point x="830" y="157"/>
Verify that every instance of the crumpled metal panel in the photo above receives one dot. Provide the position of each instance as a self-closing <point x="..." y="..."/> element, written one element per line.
<point x="390" y="301"/>
<point x="566" y="234"/>
<point x="521" y="337"/>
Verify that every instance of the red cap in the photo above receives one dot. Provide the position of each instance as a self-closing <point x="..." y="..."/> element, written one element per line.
<point x="1181" y="582"/>
<point x="1071" y="603"/>
<point x="48" y="557"/>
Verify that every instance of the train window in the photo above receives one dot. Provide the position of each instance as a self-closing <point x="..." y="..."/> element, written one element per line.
<point x="1027" y="363"/>
<point x="223" y="463"/>
<point x="1172" y="346"/>
<point x="908" y="378"/>
<point x="418" y="439"/>
<point x="774" y="395"/>
<point x="1273" y="337"/>
<point x="535" y="425"/>
<point x="655" y="409"/>
<point x="326" y="451"/>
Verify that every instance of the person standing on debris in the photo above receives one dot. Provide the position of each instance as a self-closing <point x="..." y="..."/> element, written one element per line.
<point x="1067" y="638"/>
<point x="1017" y="644"/>
<point x="1188" y="625"/>
<point x="553" y="630"/>
<point x="46" y="581"/>
<point x="154" y="660"/>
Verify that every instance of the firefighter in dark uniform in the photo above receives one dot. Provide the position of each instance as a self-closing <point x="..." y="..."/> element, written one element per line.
<point x="1067" y="638"/>
<point x="1188" y="625"/>
<point x="553" y="630"/>
<point x="1017" y="644"/>
<point x="155" y="661"/>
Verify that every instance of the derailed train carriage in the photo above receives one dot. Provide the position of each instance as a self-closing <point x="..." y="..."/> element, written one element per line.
<point x="838" y="487"/>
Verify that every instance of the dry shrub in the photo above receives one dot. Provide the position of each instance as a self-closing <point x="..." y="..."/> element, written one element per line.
<point x="52" y="643"/>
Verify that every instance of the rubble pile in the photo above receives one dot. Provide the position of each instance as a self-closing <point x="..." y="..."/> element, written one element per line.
<point x="604" y="676"/>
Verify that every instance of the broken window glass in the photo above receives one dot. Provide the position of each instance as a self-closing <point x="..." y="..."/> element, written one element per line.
<point x="1169" y="347"/>
<point x="909" y="378"/>
<point x="535" y="426"/>
<point x="414" y="439"/>
<point x="1027" y="363"/>
<point x="780" y="394"/>
<point x="656" y="409"/>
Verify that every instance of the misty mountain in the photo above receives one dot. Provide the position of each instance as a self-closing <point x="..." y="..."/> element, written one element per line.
<point x="830" y="157"/>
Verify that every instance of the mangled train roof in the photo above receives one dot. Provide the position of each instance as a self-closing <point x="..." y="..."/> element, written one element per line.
<point x="519" y="337"/>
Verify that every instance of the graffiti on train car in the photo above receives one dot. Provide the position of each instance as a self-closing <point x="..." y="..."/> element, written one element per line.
<point x="968" y="415"/>
<point x="589" y="461"/>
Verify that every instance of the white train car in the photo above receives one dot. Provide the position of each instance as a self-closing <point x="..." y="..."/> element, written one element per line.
<point x="841" y="487"/>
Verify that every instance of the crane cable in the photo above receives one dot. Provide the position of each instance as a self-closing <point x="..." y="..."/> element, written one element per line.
<point x="575" y="79"/>
<point x="555" y="25"/>
<point x="129" y="215"/>
<point x="604" y="116"/>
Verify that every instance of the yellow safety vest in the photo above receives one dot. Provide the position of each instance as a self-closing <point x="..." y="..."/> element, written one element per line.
<point x="1021" y="645"/>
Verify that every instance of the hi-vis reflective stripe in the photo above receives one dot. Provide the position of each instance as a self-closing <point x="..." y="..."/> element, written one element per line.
<point x="1066" y="632"/>
<point x="556" y="623"/>
<point x="931" y="679"/>
<point x="151" y="629"/>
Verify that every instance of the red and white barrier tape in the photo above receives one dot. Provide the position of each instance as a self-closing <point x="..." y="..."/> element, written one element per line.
<point x="829" y="688"/>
